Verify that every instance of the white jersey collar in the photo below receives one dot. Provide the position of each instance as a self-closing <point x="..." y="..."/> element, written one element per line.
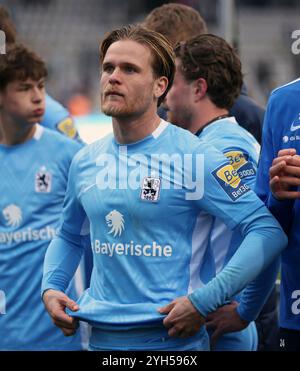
<point x="161" y="127"/>
<point x="38" y="132"/>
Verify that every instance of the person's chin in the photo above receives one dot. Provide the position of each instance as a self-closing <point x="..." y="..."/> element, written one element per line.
<point x="114" y="111"/>
<point x="34" y="120"/>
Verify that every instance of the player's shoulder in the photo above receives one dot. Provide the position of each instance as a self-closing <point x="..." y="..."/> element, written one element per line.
<point x="54" y="105"/>
<point x="92" y="150"/>
<point x="291" y="87"/>
<point x="56" y="143"/>
<point x="55" y="112"/>
<point x="233" y="136"/>
<point x="239" y="136"/>
<point x="183" y="140"/>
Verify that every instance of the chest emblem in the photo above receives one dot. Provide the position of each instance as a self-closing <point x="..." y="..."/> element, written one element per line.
<point x="43" y="181"/>
<point x="150" y="189"/>
<point x="115" y="221"/>
<point x="13" y="215"/>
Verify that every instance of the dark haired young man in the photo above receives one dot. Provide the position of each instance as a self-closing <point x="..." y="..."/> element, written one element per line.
<point x="34" y="166"/>
<point x="56" y="117"/>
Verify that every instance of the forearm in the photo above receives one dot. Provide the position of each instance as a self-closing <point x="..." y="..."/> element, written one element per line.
<point x="257" y="292"/>
<point x="283" y="211"/>
<point x="61" y="261"/>
<point x="263" y="241"/>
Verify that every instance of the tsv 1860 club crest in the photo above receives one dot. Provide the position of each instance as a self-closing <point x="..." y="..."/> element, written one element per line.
<point x="43" y="181"/>
<point x="150" y="189"/>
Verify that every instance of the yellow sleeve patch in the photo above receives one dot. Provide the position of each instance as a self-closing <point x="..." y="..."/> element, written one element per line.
<point x="229" y="176"/>
<point x="236" y="159"/>
<point x="230" y="182"/>
<point x="67" y="127"/>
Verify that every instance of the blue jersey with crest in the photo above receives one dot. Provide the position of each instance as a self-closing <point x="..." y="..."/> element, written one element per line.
<point x="33" y="184"/>
<point x="282" y="130"/>
<point x="148" y="204"/>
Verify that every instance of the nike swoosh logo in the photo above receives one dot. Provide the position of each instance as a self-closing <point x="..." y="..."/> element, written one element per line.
<point x="294" y="128"/>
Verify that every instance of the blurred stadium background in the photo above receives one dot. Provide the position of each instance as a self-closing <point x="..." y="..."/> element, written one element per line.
<point x="67" y="33"/>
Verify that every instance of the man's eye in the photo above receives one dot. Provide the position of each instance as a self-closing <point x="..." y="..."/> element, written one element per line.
<point x="129" y="69"/>
<point x="108" y="69"/>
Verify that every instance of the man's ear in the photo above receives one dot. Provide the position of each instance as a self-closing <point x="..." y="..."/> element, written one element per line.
<point x="200" y="89"/>
<point x="160" y="86"/>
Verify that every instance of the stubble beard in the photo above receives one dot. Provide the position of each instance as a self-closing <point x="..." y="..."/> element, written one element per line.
<point x="182" y="120"/>
<point x="114" y="110"/>
<point x="125" y="111"/>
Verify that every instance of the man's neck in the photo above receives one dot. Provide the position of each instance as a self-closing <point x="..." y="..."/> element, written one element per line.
<point x="13" y="133"/>
<point x="206" y="115"/>
<point x="131" y="130"/>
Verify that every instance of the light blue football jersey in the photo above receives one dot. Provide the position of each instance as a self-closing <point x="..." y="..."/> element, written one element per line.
<point x="148" y="205"/>
<point x="242" y="151"/>
<point x="33" y="180"/>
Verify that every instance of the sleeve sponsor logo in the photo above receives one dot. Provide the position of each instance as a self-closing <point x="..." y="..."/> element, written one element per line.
<point x="241" y="164"/>
<point x="230" y="182"/>
<point x="67" y="127"/>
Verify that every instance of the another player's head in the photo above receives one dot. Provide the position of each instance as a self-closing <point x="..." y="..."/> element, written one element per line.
<point x="176" y="22"/>
<point x="208" y="76"/>
<point x="22" y="86"/>
<point x="7" y="26"/>
<point x="138" y="67"/>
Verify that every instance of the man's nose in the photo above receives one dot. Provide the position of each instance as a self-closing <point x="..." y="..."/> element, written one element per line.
<point x="115" y="76"/>
<point x="37" y="95"/>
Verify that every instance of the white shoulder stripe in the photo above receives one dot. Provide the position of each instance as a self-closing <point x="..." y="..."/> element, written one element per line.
<point x="200" y="239"/>
<point x="220" y="243"/>
<point x="38" y="132"/>
<point x="232" y="119"/>
<point x="161" y="127"/>
<point x="289" y="83"/>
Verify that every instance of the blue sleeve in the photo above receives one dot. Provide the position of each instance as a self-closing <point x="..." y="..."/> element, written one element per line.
<point x="283" y="211"/>
<point x="257" y="292"/>
<point x="263" y="241"/>
<point x="266" y="157"/>
<point x="64" y="252"/>
<point x="61" y="261"/>
<point x="225" y="195"/>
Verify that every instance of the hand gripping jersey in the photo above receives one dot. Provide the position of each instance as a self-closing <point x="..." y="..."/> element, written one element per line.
<point x="282" y="130"/>
<point x="147" y="204"/>
<point x="32" y="186"/>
